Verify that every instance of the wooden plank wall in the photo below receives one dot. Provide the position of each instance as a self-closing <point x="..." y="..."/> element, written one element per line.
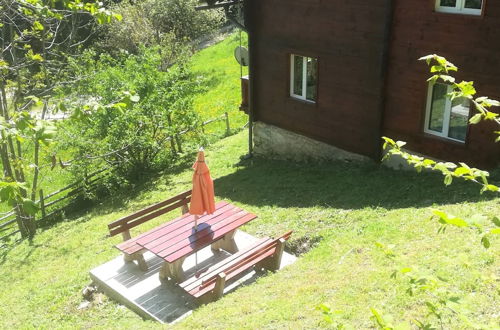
<point x="347" y="37"/>
<point x="470" y="42"/>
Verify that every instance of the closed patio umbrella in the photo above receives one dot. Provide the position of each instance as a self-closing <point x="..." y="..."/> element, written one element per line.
<point x="202" y="197"/>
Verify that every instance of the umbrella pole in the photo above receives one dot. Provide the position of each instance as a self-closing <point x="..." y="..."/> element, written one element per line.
<point x="196" y="253"/>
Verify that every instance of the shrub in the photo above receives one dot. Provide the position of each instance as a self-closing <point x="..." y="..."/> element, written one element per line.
<point x="135" y="131"/>
<point x="158" y="22"/>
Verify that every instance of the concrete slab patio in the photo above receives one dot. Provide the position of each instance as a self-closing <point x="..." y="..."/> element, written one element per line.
<point x="165" y="302"/>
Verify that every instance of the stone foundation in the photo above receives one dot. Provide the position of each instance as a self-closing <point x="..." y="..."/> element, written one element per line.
<point x="274" y="142"/>
<point x="399" y="163"/>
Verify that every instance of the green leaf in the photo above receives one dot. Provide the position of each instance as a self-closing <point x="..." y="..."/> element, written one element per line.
<point x="457" y="222"/>
<point x="476" y="118"/>
<point x="450" y="165"/>
<point x="400" y="144"/>
<point x="495" y="231"/>
<point x="433" y="79"/>
<point x="30" y="206"/>
<point x="467" y="88"/>
<point x="448" y="179"/>
<point x="325" y="308"/>
<point x="491" y="187"/>
<point x="436" y="68"/>
<point x="485" y="101"/>
<point x="446" y="78"/>
<point x="378" y="318"/>
<point x="37" y="57"/>
<point x="429" y="162"/>
<point x="486" y="242"/>
<point x="490" y="115"/>
<point x="496" y="221"/>
<point x="440" y="214"/>
<point x="461" y="171"/>
<point x="427" y="58"/>
<point x="37" y="26"/>
<point x="405" y="270"/>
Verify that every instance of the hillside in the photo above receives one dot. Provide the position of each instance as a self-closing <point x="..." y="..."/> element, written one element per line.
<point x="338" y="212"/>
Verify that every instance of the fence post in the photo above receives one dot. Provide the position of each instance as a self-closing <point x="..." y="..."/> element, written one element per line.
<point x="228" y="129"/>
<point x="42" y="204"/>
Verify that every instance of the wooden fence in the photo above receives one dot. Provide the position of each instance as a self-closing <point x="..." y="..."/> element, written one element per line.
<point x="52" y="203"/>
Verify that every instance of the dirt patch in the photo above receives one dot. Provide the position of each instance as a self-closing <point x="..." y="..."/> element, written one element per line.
<point x="303" y="244"/>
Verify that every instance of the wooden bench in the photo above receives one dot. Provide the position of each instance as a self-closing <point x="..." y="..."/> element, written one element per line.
<point x="264" y="254"/>
<point x="130" y="249"/>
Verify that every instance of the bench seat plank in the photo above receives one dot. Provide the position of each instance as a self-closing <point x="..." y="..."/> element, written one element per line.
<point x="258" y="253"/>
<point x="209" y="286"/>
<point x="213" y="270"/>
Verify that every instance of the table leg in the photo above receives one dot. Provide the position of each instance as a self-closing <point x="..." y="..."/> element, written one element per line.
<point x="175" y="269"/>
<point x="141" y="262"/>
<point x="226" y="243"/>
<point x="164" y="271"/>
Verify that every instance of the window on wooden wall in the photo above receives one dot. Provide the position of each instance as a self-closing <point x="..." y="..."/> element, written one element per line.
<point x="471" y="7"/>
<point x="445" y="117"/>
<point x="304" y="77"/>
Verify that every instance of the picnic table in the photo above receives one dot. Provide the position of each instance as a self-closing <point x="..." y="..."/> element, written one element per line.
<point x="177" y="239"/>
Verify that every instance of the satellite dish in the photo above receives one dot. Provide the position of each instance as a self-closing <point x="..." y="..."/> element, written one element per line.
<point x="241" y="55"/>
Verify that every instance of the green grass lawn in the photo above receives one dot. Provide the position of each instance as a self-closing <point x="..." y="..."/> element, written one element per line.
<point x="338" y="211"/>
<point x="221" y="73"/>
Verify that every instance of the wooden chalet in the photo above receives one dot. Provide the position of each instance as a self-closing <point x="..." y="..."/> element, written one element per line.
<point x="346" y="72"/>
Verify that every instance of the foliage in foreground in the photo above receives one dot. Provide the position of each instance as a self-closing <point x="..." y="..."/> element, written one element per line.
<point x="36" y="39"/>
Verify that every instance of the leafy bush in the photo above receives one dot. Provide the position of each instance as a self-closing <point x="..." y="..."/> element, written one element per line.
<point x="136" y="131"/>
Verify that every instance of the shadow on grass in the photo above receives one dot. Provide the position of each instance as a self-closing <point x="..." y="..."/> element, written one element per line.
<point x="117" y="199"/>
<point x="340" y="185"/>
<point x="8" y="246"/>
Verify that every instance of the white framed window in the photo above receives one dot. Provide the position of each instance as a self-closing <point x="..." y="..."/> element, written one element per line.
<point x="303" y="77"/>
<point x="468" y="7"/>
<point x="445" y="117"/>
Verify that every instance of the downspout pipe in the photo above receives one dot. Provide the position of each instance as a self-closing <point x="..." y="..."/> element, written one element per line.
<point x="384" y="65"/>
<point x="251" y="75"/>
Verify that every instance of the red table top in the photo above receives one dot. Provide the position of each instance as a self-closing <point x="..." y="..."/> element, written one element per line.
<point x="177" y="238"/>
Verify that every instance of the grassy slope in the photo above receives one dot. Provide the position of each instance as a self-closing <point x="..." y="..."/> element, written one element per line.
<point x="349" y="206"/>
<point x="222" y="78"/>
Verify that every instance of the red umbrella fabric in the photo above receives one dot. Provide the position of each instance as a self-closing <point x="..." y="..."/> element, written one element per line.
<point x="202" y="197"/>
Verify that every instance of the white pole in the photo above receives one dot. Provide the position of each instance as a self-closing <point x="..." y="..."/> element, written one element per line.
<point x="196" y="253"/>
